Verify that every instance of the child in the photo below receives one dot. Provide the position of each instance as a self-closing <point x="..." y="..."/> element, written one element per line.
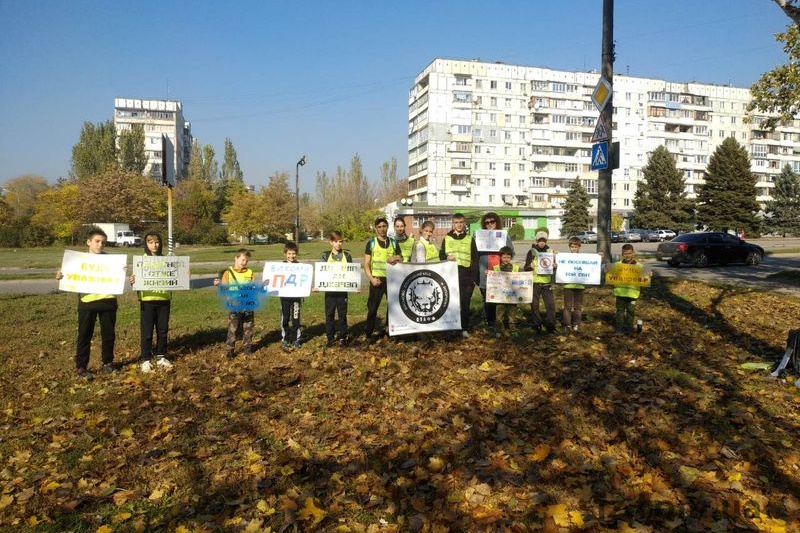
<point x="542" y="284"/>
<point x="505" y="312"/>
<point x="336" y="302"/>
<point x="573" y="296"/>
<point x="154" y="307"/>
<point x="290" y="307"/>
<point x="93" y="308"/>
<point x="240" y="323"/>
<point x="424" y="249"/>
<point x="626" y="295"/>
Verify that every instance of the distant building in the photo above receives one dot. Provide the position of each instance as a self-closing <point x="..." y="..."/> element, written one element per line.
<point x="159" y="117"/>
<point x="508" y="138"/>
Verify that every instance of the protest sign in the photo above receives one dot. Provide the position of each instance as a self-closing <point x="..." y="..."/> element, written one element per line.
<point x="580" y="269"/>
<point x="288" y="280"/>
<point x="87" y="273"/>
<point x="490" y="240"/>
<point x="545" y="263"/>
<point x="238" y="297"/>
<point x="337" y="276"/>
<point x="509" y="287"/>
<point x="161" y="273"/>
<point x="621" y="274"/>
<point x="423" y="297"/>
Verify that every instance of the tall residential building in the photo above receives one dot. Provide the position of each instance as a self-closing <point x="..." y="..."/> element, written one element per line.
<point x="158" y="117"/>
<point x="491" y="136"/>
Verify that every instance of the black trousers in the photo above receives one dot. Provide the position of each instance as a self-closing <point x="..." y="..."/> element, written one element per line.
<point x="466" y="285"/>
<point x="290" y="319"/>
<point x="376" y="294"/>
<point x="153" y="314"/>
<point x="490" y="310"/>
<point x="104" y="311"/>
<point x="335" y="304"/>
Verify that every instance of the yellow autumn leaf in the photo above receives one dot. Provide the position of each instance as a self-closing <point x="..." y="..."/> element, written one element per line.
<point x="540" y="453"/>
<point x="6" y="500"/>
<point x="104" y="529"/>
<point x="264" y="507"/>
<point x="383" y="362"/>
<point x="121" y="517"/>
<point x="343" y="529"/>
<point x="310" y="510"/>
<point x="183" y="529"/>
<point x="127" y="433"/>
<point x="53" y="485"/>
<point x="485" y="367"/>
<point x="245" y="395"/>
<point x="559" y="514"/>
<point x="156" y="495"/>
<point x="576" y="518"/>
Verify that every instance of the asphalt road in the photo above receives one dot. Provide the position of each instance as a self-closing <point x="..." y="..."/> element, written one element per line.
<point x="756" y="277"/>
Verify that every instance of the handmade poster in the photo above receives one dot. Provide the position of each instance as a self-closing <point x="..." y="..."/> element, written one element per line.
<point x="87" y="273"/>
<point x="161" y="273"/>
<point x="337" y="276"/>
<point x="509" y="287"/>
<point x="423" y="297"/>
<point x="620" y="274"/>
<point x="580" y="269"/>
<point x="288" y="280"/>
<point x="490" y="240"/>
<point x="237" y="297"/>
<point x="545" y="263"/>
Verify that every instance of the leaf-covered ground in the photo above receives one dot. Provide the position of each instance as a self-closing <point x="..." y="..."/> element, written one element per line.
<point x="590" y="432"/>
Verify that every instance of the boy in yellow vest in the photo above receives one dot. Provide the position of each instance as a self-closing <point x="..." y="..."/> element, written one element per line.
<point x="506" y="312"/>
<point x="336" y="302"/>
<point x="379" y="252"/>
<point x="457" y="246"/>
<point x="626" y="296"/>
<point x="542" y="284"/>
<point x="240" y="323"/>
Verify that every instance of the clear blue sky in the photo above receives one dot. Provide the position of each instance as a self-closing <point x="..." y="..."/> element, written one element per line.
<point x="328" y="79"/>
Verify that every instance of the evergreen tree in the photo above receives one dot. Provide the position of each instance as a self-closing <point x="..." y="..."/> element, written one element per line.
<point x="727" y="199"/>
<point x="783" y="211"/>
<point x="576" y="210"/>
<point x="132" y="156"/>
<point x="660" y="200"/>
<point x="231" y="180"/>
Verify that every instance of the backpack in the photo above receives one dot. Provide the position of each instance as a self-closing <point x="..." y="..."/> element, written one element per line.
<point x="791" y="359"/>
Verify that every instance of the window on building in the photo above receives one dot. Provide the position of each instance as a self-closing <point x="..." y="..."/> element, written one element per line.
<point x="508" y="86"/>
<point x="508" y="102"/>
<point x="492" y="165"/>
<point x="506" y="183"/>
<point x="493" y="84"/>
<point x="507" y="167"/>
<point x="493" y="101"/>
<point x="521" y="167"/>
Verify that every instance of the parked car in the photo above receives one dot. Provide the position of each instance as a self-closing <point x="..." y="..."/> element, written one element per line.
<point x="648" y="235"/>
<point x="629" y="236"/>
<point x="586" y="236"/>
<point x="701" y="249"/>
<point x="665" y="234"/>
<point x="615" y="236"/>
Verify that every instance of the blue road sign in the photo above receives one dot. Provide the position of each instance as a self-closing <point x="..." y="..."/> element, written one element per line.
<point x="600" y="156"/>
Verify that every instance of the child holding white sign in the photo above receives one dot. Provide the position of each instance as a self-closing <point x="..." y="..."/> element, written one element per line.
<point x="290" y="307"/>
<point x="154" y="309"/>
<point x="336" y="302"/>
<point x="505" y="312"/>
<point x="542" y="282"/>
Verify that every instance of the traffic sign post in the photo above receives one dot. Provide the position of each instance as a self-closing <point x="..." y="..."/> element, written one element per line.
<point x="601" y="94"/>
<point x="600" y="131"/>
<point x="600" y="156"/>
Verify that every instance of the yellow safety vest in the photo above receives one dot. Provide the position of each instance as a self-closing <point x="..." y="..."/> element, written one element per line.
<point x="379" y="255"/>
<point x="627" y="291"/>
<point x="406" y="249"/>
<point x="87" y="298"/>
<point x="540" y="278"/>
<point x="155" y="296"/>
<point x="461" y="248"/>
<point x="514" y="268"/>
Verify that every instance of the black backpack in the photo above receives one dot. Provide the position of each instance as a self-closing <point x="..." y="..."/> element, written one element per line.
<point x="791" y="359"/>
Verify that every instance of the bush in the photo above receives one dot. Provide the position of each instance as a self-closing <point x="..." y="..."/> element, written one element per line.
<point x="517" y="232"/>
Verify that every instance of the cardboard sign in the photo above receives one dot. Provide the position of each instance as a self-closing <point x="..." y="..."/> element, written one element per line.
<point x="337" y="276"/>
<point x="238" y="297"/>
<point x="87" y="273"/>
<point x="545" y="263"/>
<point x="509" y="287"/>
<point x="620" y="274"/>
<point x="423" y="297"/>
<point x="288" y="280"/>
<point x="490" y="240"/>
<point x="161" y="273"/>
<point x="580" y="269"/>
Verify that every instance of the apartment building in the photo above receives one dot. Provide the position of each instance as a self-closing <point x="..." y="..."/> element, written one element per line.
<point x="159" y="117"/>
<point x="509" y="138"/>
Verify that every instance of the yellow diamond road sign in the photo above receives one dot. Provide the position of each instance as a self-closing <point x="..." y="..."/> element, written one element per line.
<point x="601" y="94"/>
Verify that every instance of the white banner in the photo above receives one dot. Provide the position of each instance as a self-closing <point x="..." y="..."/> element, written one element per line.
<point x="490" y="240"/>
<point x="288" y="280"/>
<point x="509" y="287"/>
<point x="581" y="269"/>
<point x="93" y="273"/>
<point x="423" y="297"/>
<point x="337" y="276"/>
<point x="161" y="273"/>
<point x="545" y="263"/>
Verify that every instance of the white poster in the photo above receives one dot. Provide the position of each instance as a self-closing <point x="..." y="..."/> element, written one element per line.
<point x="288" y="280"/>
<point x="423" y="297"/>
<point x="490" y="240"/>
<point x="161" y="273"/>
<point x="509" y="287"/>
<point x="545" y="263"/>
<point x="93" y="273"/>
<point x="337" y="276"/>
<point x="581" y="269"/>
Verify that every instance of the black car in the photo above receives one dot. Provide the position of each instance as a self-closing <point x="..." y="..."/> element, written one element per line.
<point x="701" y="249"/>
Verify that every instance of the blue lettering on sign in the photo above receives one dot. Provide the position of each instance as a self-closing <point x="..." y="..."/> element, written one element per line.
<point x="242" y="296"/>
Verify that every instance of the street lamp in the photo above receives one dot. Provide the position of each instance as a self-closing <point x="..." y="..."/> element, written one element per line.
<point x="297" y="200"/>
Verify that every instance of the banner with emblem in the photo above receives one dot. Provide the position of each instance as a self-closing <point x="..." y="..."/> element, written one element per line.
<point x="423" y="297"/>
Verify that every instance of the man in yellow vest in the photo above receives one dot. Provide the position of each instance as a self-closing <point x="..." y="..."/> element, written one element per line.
<point x="379" y="252"/>
<point x="457" y="246"/>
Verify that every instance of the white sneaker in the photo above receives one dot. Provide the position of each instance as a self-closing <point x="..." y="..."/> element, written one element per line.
<point x="163" y="362"/>
<point x="147" y="367"/>
<point x="465" y="334"/>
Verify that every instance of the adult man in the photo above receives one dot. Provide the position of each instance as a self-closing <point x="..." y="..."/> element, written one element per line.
<point x="457" y="246"/>
<point x="405" y="243"/>
<point x="379" y="252"/>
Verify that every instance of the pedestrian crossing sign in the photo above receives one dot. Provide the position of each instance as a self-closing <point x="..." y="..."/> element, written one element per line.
<point x="600" y="156"/>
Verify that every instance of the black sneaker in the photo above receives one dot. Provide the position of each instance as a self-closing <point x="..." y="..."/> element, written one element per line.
<point x="85" y="373"/>
<point x="343" y="341"/>
<point x="230" y="354"/>
<point x="108" y="368"/>
<point x="248" y="351"/>
<point x="330" y="344"/>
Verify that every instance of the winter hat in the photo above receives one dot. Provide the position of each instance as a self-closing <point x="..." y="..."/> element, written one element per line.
<point x="541" y="234"/>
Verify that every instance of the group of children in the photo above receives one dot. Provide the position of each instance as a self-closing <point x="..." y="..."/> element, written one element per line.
<point x="155" y="304"/>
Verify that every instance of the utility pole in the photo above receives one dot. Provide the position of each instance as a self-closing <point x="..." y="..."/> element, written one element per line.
<point x="607" y="115"/>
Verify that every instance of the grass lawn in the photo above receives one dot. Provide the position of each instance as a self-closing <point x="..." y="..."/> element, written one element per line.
<point x="592" y="431"/>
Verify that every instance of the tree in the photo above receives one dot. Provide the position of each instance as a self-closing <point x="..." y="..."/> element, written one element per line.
<point x="20" y="193"/>
<point x="194" y="211"/>
<point x="783" y="211"/>
<point x="727" y="199"/>
<point x="95" y="151"/>
<point x="269" y="212"/>
<point x="118" y="196"/>
<point x="576" y="210"/>
<point x="660" y="200"/>
<point x="617" y="221"/>
<point x="791" y="10"/>
<point x="390" y="188"/>
<point x="231" y="181"/>
<point x="132" y="156"/>
<point x="347" y="202"/>
<point x="240" y="215"/>
<point x="57" y="209"/>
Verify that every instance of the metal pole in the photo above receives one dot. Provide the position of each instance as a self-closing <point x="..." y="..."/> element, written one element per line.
<point x="169" y="220"/>
<point x="604" y="177"/>
<point x="299" y="164"/>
